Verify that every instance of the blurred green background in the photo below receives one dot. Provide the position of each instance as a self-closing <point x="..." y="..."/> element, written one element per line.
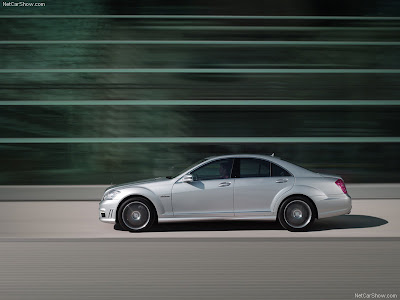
<point x="339" y="55"/>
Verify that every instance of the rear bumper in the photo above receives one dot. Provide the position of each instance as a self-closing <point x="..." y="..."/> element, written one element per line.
<point x="335" y="205"/>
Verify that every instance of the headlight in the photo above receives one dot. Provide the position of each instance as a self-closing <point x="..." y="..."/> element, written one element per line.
<point x="111" y="195"/>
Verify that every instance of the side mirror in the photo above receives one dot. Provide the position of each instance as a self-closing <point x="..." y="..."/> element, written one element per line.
<point x="187" y="178"/>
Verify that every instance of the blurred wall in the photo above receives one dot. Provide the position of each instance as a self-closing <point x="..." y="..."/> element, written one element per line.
<point x="329" y="63"/>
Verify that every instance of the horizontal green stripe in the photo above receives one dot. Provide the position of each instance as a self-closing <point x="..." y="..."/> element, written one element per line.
<point x="202" y="140"/>
<point x="208" y="70"/>
<point x="202" y="102"/>
<point x="209" y="42"/>
<point x="205" y="17"/>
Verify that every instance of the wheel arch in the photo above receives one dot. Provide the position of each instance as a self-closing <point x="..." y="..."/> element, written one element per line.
<point x="314" y="206"/>
<point x="132" y="196"/>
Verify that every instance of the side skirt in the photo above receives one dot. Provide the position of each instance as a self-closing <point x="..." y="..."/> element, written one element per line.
<point x="210" y="219"/>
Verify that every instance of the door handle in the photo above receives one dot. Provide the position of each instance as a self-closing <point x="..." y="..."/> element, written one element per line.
<point x="222" y="184"/>
<point x="281" y="180"/>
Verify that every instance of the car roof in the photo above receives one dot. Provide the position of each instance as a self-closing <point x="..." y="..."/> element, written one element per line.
<point x="297" y="171"/>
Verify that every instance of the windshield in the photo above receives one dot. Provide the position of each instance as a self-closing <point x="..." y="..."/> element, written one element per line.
<point x="176" y="173"/>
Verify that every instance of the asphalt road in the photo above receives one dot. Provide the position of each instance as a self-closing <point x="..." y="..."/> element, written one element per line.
<point x="59" y="250"/>
<point x="75" y="219"/>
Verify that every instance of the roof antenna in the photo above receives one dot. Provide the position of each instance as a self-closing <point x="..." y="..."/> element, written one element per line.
<point x="273" y="154"/>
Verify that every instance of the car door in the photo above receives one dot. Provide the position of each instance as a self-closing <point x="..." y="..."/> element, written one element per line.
<point x="209" y="195"/>
<point x="257" y="183"/>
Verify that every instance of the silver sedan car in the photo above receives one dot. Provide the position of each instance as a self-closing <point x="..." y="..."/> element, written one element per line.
<point x="230" y="187"/>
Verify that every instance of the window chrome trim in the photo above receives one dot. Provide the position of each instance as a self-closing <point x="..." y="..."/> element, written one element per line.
<point x="270" y="168"/>
<point x="203" y="165"/>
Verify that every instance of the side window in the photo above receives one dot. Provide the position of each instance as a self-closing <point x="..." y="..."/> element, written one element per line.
<point x="277" y="171"/>
<point x="250" y="167"/>
<point x="220" y="169"/>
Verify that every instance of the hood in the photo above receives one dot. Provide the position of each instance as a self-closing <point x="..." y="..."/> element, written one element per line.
<point x="138" y="183"/>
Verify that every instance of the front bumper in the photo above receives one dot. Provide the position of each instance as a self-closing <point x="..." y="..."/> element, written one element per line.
<point x="108" y="211"/>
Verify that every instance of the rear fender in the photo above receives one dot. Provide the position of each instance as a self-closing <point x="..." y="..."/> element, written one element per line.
<point x="314" y="194"/>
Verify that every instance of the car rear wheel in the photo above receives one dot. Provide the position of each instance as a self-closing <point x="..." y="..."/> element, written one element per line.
<point x="296" y="214"/>
<point x="136" y="214"/>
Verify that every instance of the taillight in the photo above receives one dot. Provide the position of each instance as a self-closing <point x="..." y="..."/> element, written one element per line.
<point x="340" y="183"/>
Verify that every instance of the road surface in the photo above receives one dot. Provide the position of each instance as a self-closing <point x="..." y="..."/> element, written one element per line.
<point x="59" y="250"/>
<point x="78" y="219"/>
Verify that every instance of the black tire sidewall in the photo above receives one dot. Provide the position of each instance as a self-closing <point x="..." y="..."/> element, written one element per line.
<point x="144" y="201"/>
<point x="285" y="203"/>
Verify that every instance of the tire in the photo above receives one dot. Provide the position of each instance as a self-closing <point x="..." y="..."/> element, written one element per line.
<point x="296" y="213"/>
<point x="136" y="214"/>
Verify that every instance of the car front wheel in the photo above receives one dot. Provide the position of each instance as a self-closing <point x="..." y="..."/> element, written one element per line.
<point x="136" y="214"/>
<point x="296" y="214"/>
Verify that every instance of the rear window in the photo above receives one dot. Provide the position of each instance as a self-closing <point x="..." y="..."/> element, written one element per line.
<point x="277" y="171"/>
<point x="250" y="167"/>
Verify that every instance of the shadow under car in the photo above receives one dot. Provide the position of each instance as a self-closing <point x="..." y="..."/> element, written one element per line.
<point x="340" y="222"/>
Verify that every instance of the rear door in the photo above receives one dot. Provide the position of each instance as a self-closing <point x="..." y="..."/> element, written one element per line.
<point x="257" y="182"/>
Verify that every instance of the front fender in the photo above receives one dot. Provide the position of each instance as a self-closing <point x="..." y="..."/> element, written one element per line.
<point x="142" y="191"/>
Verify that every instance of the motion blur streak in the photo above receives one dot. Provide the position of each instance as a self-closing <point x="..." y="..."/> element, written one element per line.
<point x="206" y="102"/>
<point x="315" y="82"/>
<point x="46" y="254"/>
<point x="342" y="55"/>
<point x="198" y="269"/>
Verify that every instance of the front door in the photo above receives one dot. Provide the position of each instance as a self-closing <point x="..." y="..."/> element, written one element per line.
<point x="209" y="195"/>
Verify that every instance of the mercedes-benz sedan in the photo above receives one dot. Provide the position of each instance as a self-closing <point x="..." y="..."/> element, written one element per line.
<point x="230" y="187"/>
